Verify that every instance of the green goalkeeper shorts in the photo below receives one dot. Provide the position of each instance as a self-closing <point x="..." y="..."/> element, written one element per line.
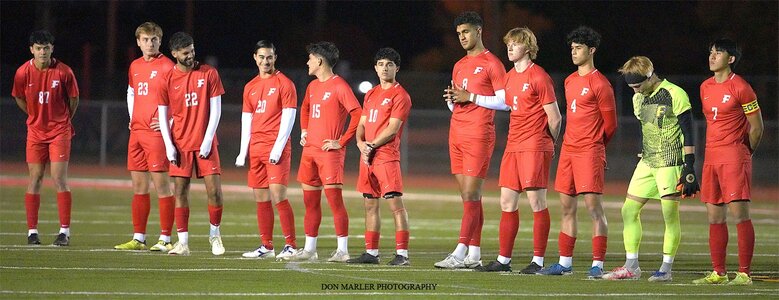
<point x="654" y="183"/>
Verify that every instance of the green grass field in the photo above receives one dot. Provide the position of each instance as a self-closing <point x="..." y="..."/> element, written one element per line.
<point x="101" y="218"/>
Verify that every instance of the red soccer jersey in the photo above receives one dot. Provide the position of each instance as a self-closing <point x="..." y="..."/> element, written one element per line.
<point x="379" y="106"/>
<point x="526" y="93"/>
<point x="725" y="106"/>
<point x="483" y="75"/>
<point x="265" y="98"/>
<point x="47" y="94"/>
<point x="146" y="78"/>
<point x="587" y="97"/>
<point x="325" y="108"/>
<point x="187" y="95"/>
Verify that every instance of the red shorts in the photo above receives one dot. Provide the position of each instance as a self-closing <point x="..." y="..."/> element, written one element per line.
<point x="470" y="156"/>
<point x="42" y="152"/>
<point x="380" y="179"/>
<point x="319" y="167"/>
<point x="723" y="183"/>
<point x="191" y="159"/>
<point x="580" y="172"/>
<point x="526" y="169"/>
<point x="261" y="172"/>
<point x="146" y="152"/>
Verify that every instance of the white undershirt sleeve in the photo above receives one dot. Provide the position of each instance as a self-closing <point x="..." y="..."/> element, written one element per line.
<point x="215" y="113"/>
<point x="285" y="129"/>
<point x="130" y="101"/>
<point x="497" y="102"/>
<point x="246" y="134"/>
<point x="170" y="150"/>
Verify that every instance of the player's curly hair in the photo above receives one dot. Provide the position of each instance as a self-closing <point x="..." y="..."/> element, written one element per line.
<point x="468" y="17"/>
<point x="729" y="46"/>
<point x="388" y="54"/>
<point x="584" y="35"/>
<point x="180" y="40"/>
<point x="326" y="50"/>
<point x="41" y="37"/>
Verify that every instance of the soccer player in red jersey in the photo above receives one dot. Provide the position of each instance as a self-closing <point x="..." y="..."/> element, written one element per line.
<point x="475" y="94"/>
<point x="192" y="96"/>
<point x="734" y="130"/>
<point x="269" y="107"/>
<point x="46" y="90"/>
<point x="326" y="104"/>
<point x="592" y="122"/>
<point x="534" y="126"/>
<point x="385" y="109"/>
<point x="146" y="150"/>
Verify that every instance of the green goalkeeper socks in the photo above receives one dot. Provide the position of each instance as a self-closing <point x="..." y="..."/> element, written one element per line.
<point x="631" y="217"/>
<point x="673" y="228"/>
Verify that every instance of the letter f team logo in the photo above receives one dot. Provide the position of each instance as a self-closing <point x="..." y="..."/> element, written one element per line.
<point x="271" y="91"/>
<point x="477" y="70"/>
<point x="153" y="73"/>
<point x="327" y="95"/>
<point x="55" y="83"/>
<point x="584" y="91"/>
<point x="201" y="82"/>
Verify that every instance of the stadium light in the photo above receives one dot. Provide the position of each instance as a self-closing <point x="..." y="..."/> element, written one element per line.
<point x="365" y="86"/>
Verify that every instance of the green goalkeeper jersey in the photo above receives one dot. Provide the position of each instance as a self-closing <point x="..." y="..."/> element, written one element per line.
<point x="663" y="142"/>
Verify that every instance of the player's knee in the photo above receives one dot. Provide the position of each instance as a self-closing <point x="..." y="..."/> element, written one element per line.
<point x="60" y="183"/>
<point x="471" y="195"/>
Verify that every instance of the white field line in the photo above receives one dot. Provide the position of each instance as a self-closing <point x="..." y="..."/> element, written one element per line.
<point x="293" y="191"/>
<point x="398" y="293"/>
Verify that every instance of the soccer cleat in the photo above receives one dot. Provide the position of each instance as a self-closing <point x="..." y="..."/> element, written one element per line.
<point x="365" y="258"/>
<point x="399" y="260"/>
<point x="216" y="245"/>
<point x="658" y="276"/>
<point x="595" y="273"/>
<point x="33" y="239"/>
<point x="470" y="263"/>
<point x="260" y="253"/>
<point x="286" y="253"/>
<point x="338" y="256"/>
<point x="532" y="268"/>
<point x="131" y="245"/>
<point x="556" y="269"/>
<point x="494" y="266"/>
<point x="179" y="249"/>
<point x="303" y="255"/>
<point x="62" y="240"/>
<point x="161" y="246"/>
<point x="712" y="278"/>
<point x="741" y="279"/>
<point x="450" y="262"/>
<point x="622" y="273"/>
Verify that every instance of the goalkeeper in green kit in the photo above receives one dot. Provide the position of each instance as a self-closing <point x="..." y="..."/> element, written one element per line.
<point x="666" y="169"/>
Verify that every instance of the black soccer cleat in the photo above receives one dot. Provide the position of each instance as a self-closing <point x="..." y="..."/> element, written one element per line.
<point x="531" y="269"/>
<point x="62" y="240"/>
<point x="399" y="260"/>
<point x="365" y="258"/>
<point x="494" y="266"/>
<point x="33" y="239"/>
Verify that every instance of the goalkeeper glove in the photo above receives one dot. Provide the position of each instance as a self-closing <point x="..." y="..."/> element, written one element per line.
<point x="688" y="183"/>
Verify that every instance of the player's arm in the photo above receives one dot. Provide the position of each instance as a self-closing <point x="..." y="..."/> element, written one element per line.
<point x="609" y="125"/>
<point x="304" y="113"/>
<point x="688" y="183"/>
<point x="246" y="130"/>
<point x="72" y="105"/>
<point x="553" y="119"/>
<point x="359" y="135"/>
<point x="130" y="101"/>
<point x="170" y="150"/>
<point x="215" y="113"/>
<point x="755" y="120"/>
<point x="22" y="104"/>
<point x="386" y="135"/>
<point x="496" y="102"/>
<point x="285" y="129"/>
<point x="354" y="118"/>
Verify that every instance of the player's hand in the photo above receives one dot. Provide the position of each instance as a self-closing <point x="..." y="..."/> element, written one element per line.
<point x="274" y="157"/>
<point x="205" y="150"/>
<point x="303" y="136"/>
<point x="130" y="125"/>
<point x="688" y="183"/>
<point x="448" y="94"/>
<point x="155" y="124"/>
<point x="328" y="145"/>
<point x="240" y="161"/>
<point x="459" y="95"/>
<point x="172" y="155"/>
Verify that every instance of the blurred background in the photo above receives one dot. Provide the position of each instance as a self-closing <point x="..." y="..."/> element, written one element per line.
<point x="96" y="38"/>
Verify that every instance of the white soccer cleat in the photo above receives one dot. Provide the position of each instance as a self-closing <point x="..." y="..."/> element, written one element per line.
<point x="470" y="263"/>
<point x="450" y="262"/>
<point x="622" y="273"/>
<point x="179" y="249"/>
<point x="216" y="245"/>
<point x="286" y="253"/>
<point x="339" y="256"/>
<point x="303" y="255"/>
<point x="260" y="253"/>
<point x="161" y="246"/>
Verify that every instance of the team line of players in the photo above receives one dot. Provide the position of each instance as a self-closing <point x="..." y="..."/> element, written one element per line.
<point x="188" y="93"/>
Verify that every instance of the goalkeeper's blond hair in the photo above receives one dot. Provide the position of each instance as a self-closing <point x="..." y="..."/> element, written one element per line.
<point x="638" y="65"/>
